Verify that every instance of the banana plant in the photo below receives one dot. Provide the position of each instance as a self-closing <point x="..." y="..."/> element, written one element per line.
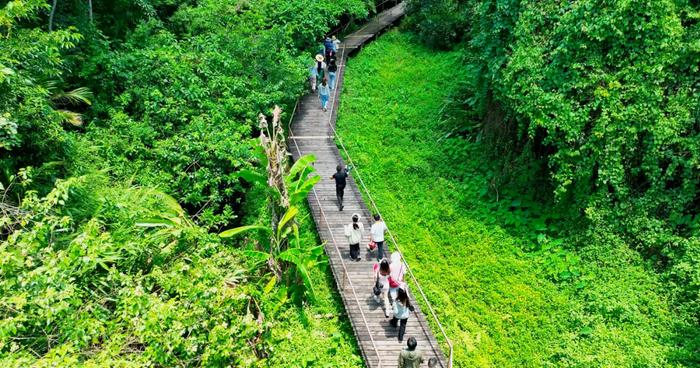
<point x="287" y="186"/>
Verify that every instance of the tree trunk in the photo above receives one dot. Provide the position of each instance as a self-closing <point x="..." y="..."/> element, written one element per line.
<point x="53" y="11"/>
<point x="90" y="10"/>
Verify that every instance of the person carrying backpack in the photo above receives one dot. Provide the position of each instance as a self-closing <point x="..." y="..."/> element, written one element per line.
<point x="354" y="234"/>
<point x="328" y="46"/>
<point x="402" y="308"/>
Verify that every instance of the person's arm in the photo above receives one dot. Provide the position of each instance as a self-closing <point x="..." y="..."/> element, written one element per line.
<point x="402" y="361"/>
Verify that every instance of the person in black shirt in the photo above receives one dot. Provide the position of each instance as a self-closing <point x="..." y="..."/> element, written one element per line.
<point x="340" y="175"/>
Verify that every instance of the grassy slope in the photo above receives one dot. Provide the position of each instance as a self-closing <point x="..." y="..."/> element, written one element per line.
<point x="495" y="302"/>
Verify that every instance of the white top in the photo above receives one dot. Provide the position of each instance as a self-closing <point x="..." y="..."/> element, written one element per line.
<point x="398" y="270"/>
<point x="377" y="231"/>
<point x="354" y="236"/>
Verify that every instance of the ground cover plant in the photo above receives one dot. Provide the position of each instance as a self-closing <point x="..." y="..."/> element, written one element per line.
<point x="124" y="130"/>
<point x="509" y="293"/>
<point x="591" y="106"/>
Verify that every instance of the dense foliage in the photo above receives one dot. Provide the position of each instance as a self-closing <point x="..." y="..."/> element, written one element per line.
<point x="597" y="103"/>
<point x="508" y="293"/>
<point x="124" y="129"/>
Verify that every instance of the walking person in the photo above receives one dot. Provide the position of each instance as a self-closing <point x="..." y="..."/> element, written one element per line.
<point x="381" y="284"/>
<point x="402" y="308"/>
<point x="328" y="46"/>
<point x="332" y="70"/>
<point x="396" y="276"/>
<point x="411" y="357"/>
<point x="340" y="177"/>
<point x="376" y="234"/>
<point x="324" y="93"/>
<point x="320" y="68"/>
<point x="336" y="43"/>
<point x="313" y="77"/>
<point x="354" y="234"/>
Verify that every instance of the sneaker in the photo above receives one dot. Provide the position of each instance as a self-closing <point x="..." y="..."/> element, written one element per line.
<point x="325" y="109"/>
<point x="341" y="208"/>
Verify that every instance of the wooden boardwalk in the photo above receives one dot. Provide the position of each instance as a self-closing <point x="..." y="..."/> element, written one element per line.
<point x="312" y="132"/>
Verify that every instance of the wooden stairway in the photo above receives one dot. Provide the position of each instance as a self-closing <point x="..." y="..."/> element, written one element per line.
<point x="312" y="132"/>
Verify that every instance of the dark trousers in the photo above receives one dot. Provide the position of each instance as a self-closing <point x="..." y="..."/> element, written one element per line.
<point x="339" y="195"/>
<point x="402" y="326"/>
<point x="380" y="250"/>
<point x="355" y="251"/>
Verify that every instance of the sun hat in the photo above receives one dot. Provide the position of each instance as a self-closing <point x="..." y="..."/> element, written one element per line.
<point x="319" y="58"/>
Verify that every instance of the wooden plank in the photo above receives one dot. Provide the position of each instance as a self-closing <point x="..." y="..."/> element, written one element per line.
<point x="312" y="131"/>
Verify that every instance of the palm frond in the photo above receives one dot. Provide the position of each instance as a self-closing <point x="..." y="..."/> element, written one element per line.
<point x="80" y="95"/>
<point x="70" y="117"/>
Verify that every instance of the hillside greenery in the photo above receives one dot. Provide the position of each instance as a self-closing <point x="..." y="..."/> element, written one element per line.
<point x="125" y="130"/>
<point x="596" y="104"/>
<point x="511" y="289"/>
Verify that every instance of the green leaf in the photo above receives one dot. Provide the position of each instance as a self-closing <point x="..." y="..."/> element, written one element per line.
<point x="155" y="223"/>
<point x="301" y="164"/>
<point x="291" y="212"/>
<point x="252" y="177"/>
<point x="270" y="284"/>
<point x="241" y="229"/>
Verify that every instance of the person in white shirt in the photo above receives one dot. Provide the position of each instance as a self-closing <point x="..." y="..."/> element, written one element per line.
<point x="376" y="233"/>
<point x="336" y="43"/>
<point x="396" y="277"/>
<point x="354" y="233"/>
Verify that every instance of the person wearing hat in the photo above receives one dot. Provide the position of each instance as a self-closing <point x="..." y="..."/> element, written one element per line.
<point x="354" y="232"/>
<point x="320" y="68"/>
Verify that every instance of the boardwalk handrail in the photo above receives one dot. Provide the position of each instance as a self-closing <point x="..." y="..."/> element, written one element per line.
<point x="376" y="209"/>
<point x="391" y="235"/>
<point x="335" y="245"/>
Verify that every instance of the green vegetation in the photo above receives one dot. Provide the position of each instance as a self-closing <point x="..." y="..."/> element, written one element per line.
<point x="541" y="172"/>
<point x="508" y="290"/>
<point x="597" y="104"/>
<point x="126" y="128"/>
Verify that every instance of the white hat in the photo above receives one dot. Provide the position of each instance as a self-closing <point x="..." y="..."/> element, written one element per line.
<point x="319" y="58"/>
